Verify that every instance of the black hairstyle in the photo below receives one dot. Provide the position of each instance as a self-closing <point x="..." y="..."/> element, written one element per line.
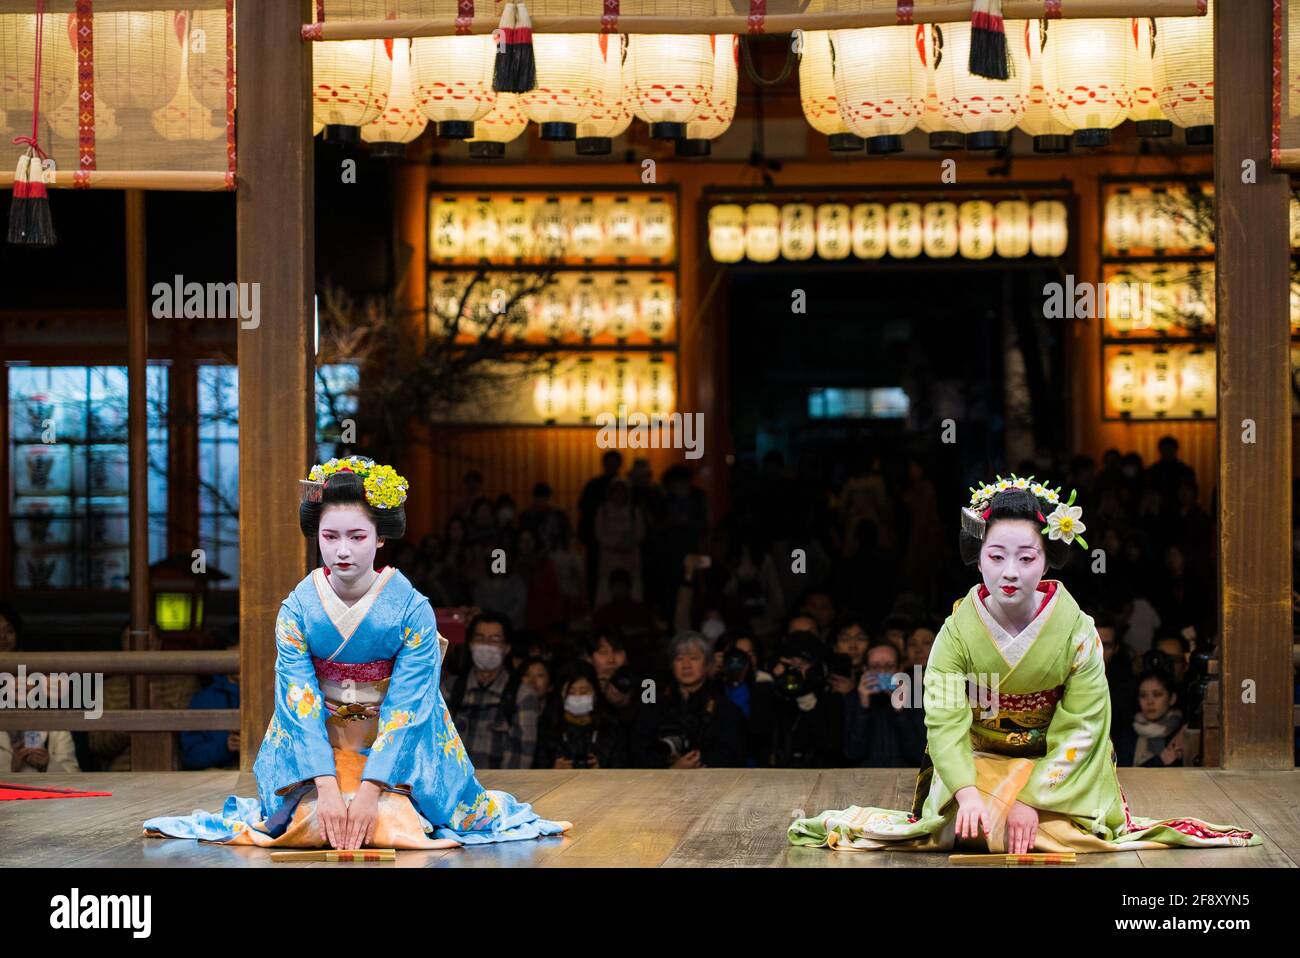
<point x="1015" y="504"/>
<point x="1164" y="678"/>
<point x="611" y="634"/>
<point x="848" y="618"/>
<point x="488" y="616"/>
<point x="10" y="612"/>
<point x="884" y="644"/>
<point x="346" y="489"/>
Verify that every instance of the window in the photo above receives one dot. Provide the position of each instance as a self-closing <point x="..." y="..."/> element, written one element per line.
<point x="219" y="469"/>
<point x="337" y="399"/>
<point x="831" y="403"/>
<point x="70" y="481"/>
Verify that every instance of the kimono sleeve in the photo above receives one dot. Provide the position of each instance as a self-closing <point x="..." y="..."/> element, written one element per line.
<point x="296" y="748"/>
<point x="407" y="712"/>
<point x="948" y="711"/>
<point x="1066" y="778"/>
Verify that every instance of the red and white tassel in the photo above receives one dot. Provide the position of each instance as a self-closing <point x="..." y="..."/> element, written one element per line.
<point x="515" y="70"/>
<point x="30" y="223"/>
<point x="988" y="41"/>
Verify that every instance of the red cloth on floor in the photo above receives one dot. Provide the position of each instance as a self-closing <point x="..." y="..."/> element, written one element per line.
<point x="10" y="791"/>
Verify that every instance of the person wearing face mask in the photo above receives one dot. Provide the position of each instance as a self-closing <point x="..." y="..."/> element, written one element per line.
<point x="1025" y="763"/>
<point x="495" y="710"/>
<point x="579" y="733"/>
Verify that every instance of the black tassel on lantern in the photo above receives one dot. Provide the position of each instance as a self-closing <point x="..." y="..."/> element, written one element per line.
<point x="988" y="41"/>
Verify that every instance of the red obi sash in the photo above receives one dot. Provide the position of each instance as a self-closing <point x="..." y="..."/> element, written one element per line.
<point x="375" y="671"/>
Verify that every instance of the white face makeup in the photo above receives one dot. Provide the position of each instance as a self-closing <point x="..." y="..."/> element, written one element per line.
<point x="347" y="542"/>
<point x="1012" y="562"/>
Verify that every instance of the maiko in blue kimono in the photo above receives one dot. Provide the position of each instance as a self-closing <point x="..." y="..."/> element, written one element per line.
<point x="357" y="698"/>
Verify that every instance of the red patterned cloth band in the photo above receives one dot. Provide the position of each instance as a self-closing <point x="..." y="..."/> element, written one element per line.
<point x="1028" y="702"/>
<point x="904" y="12"/>
<point x="375" y="671"/>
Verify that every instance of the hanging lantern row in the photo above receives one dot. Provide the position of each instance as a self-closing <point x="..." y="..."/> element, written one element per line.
<point x="1169" y="299"/>
<point x="1167" y="218"/>
<point x="151" y="71"/>
<point x="1070" y="81"/>
<point x="975" y="229"/>
<point x="577" y="306"/>
<point x="548" y="228"/>
<point x="1159" y="383"/>
<point x="588" y="89"/>
<point x="578" y="392"/>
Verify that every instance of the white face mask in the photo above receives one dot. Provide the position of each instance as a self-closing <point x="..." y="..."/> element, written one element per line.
<point x="579" y="704"/>
<point x="712" y="628"/>
<point x="486" y="657"/>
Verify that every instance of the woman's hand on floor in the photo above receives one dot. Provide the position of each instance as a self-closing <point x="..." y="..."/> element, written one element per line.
<point x="331" y="812"/>
<point x="1022" y="827"/>
<point x="362" y="812"/>
<point x="971" y="813"/>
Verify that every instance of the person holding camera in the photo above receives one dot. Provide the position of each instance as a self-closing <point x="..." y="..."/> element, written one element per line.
<point x="617" y="682"/>
<point x="883" y="726"/>
<point x="690" y="724"/>
<point x="1155" y="737"/>
<point x="579" y="733"/>
<point x="749" y="688"/>
<point x="807" y="714"/>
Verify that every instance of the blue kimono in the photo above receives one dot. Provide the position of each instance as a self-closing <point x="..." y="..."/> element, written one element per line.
<point x="357" y="695"/>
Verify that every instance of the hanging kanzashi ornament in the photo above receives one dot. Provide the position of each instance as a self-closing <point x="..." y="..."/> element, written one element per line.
<point x="1064" y="522"/>
<point x="385" y="489"/>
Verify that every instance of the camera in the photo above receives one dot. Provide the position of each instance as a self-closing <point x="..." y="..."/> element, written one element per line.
<point x="735" y="664"/>
<point x="577" y="743"/>
<point x="623" y="679"/>
<point x="677" y="737"/>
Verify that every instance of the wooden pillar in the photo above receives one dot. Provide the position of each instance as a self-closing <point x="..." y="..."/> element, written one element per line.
<point x="150" y="751"/>
<point x="1252" y="275"/>
<point x="276" y="251"/>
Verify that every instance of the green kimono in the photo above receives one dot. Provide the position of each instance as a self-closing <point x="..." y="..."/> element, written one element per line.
<point x="1022" y="717"/>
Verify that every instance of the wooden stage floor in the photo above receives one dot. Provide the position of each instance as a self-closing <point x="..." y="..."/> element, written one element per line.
<point x="699" y="818"/>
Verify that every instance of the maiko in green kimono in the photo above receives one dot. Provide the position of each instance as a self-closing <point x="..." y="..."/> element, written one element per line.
<point x="1017" y="710"/>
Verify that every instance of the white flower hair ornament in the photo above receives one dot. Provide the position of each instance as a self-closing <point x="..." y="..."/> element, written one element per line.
<point x="1063" y="523"/>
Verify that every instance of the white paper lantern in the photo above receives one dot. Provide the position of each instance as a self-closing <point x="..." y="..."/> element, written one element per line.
<point x="975" y="220"/>
<point x="138" y="67"/>
<point x="587" y="229"/>
<point x="985" y="110"/>
<point x="817" y="93"/>
<point x="798" y="231"/>
<point x="1049" y="233"/>
<point x="727" y="233"/>
<point x="1122" y="229"/>
<point x="1145" y="109"/>
<point x="762" y="232"/>
<point x="1157" y="224"/>
<point x="622" y="228"/>
<point x="482" y="229"/>
<point x="940" y="221"/>
<point x="657" y="229"/>
<point x="1122" y="378"/>
<point x="516" y="224"/>
<point x="1159" y="381"/>
<point x="570" y="70"/>
<point x="1040" y="120"/>
<point x="670" y="78"/>
<point x="625" y="384"/>
<point x="942" y="135"/>
<point x="551" y="396"/>
<point x="880" y="84"/>
<point x="623" y="308"/>
<point x="500" y="125"/>
<point x="657" y="308"/>
<point x="587" y="308"/>
<point x="589" y="389"/>
<point x="1011" y="229"/>
<point x="402" y="120"/>
<point x="657" y="394"/>
<point x="834" y="240"/>
<point x="447" y="229"/>
<point x="550" y="230"/>
<point x="350" y="84"/>
<point x="1183" y="71"/>
<point x="452" y="81"/>
<point x="611" y="114"/>
<point x="1197" y="382"/>
<point x="719" y="107"/>
<point x="1086" y="75"/>
<point x="870" y="229"/>
<point x="905" y="230"/>
<point x="552" y="316"/>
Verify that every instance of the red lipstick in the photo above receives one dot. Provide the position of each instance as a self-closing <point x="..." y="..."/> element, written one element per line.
<point x="1009" y="590"/>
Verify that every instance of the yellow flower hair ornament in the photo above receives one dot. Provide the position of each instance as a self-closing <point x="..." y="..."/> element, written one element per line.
<point x="385" y="489"/>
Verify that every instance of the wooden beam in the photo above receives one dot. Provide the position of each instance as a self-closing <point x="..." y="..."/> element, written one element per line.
<point x="156" y="723"/>
<point x="181" y="662"/>
<point x="276" y="251"/>
<point x="1253" y="282"/>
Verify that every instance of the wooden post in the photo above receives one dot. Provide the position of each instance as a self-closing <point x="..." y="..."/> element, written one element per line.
<point x="276" y="251"/>
<point x="149" y="751"/>
<point x="1253" y="308"/>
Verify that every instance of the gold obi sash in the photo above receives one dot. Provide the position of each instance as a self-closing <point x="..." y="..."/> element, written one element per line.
<point x="353" y="692"/>
<point x="1018" y="726"/>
